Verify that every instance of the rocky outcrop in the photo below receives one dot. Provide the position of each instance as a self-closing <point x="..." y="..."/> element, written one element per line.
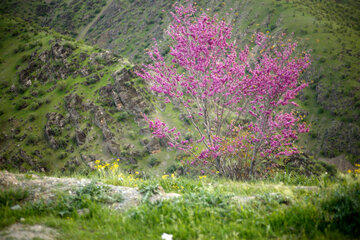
<point x="103" y="58"/>
<point x="50" y="65"/>
<point x="124" y="94"/>
<point x="153" y="145"/>
<point x="55" y="75"/>
<point x="47" y="188"/>
<point x="54" y="126"/>
<point x="19" y="231"/>
<point x="100" y="120"/>
<point x="22" y="161"/>
<point x="73" y="103"/>
<point x="80" y="137"/>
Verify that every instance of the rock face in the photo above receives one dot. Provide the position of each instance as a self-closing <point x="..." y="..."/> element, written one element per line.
<point x="78" y="127"/>
<point x="73" y="103"/>
<point x="100" y="120"/>
<point x="22" y="161"/>
<point x="123" y="95"/>
<point x="54" y="126"/>
<point x="126" y="95"/>
<point x="80" y="137"/>
<point x="50" y="65"/>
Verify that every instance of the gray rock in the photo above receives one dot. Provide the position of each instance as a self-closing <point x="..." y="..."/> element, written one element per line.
<point x="80" y="137"/>
<point x="16" y="207"/>
<point x="164" y="196"/>
<point x="20" y="231"/>
<point x="241" y="200"/>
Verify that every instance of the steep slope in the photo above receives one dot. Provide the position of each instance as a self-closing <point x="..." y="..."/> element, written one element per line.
<point x="67" y="17"/>
<point x="329" y="28"/>
<point x="65" y="104"/>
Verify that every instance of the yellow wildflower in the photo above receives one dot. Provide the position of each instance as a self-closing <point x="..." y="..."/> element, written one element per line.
<point x="349" y="171"/>
<point x="164" y="176"/>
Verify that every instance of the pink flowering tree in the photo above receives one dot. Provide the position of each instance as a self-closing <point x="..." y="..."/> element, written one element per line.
<point x="239" y="101"/>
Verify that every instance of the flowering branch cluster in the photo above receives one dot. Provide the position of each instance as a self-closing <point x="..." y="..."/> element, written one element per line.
<point x="226" y="91"/>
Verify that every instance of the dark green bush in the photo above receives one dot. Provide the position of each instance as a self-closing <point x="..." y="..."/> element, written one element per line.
<point x="61" y="85"/>
<point x="32" y="117"/>
<point x="35" y="105"/>
<point x="122" y="116"/>
<point x="154" y="162"/>
<point x="11" y="197"/>
<point x="342" y="209"/>
<point x="20" y="48"/>
<point x="21" y="104"/>
<point x="31" y="140"/>
<point x="24" y="58"/>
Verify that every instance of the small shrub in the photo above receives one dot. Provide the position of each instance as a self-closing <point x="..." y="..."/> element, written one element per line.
<point x="154" y="162"/>
<point x="70" y="45"/>
<point x="62" y="86"/>
<point x="32" y="117"/>
<point x="322" y="60"/>
<point x="172" y="168"/>
<point x="67" y="204"/>
<point x="148" y="190"/>
<point x="20" y="48"/>
<point x="31" y="140"/>
<point x="21" y="104"/>
<point x="10" y="197"/>
<point x="122" y="116"/>
<point x="132" y="135"/>
<point x="35" y="105"/>
<point x="24" y="58"/>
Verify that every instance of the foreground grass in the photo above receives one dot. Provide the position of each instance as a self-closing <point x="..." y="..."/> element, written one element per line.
<point x="206" y="209"/>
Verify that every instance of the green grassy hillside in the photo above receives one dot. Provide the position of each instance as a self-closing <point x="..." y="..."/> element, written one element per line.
<point x="67" y="17"/>
<point x="65" y="104"/>
<point x="329" y="28"/>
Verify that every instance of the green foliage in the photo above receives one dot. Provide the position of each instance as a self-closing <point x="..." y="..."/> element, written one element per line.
<point x="84" y="197"/>
<point x="20" y="104"/>
<point x="123" y="115"/>
<point x="342" y="208"/>
<point x="12" y="196"/>
<point x="62" y="85"/>
<point x="35" y="105"/>
<point x="148" y="189"/>
<point x="154" y="162"/>
<point x="32" y="139"/>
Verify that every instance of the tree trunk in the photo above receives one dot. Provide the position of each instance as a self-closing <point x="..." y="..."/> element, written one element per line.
<point x="253" y="160"/>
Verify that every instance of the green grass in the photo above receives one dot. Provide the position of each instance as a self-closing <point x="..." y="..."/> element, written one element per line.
<point x="205" y="211"/>
<point x="29" y="111"/>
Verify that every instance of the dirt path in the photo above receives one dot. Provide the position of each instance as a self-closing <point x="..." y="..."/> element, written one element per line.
<point x="86" y="29"/>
